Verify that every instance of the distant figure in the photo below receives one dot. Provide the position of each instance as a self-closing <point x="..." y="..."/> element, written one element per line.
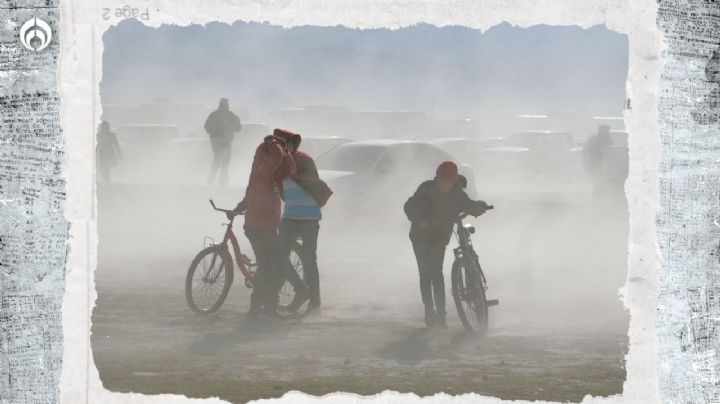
<point x="432" y="210"/>
<point x="221" y="125"/>
<point x="108" y="150"/>
<point x="593" y="153"/>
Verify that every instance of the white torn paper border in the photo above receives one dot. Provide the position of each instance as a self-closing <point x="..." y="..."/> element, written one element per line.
<point x="82" y="26"/>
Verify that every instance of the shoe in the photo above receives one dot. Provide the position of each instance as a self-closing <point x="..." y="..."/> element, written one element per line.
<point x="440" y="322"/>
<point x="300" y="298"/>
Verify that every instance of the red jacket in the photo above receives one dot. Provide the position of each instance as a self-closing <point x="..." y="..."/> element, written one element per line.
<point x="308" y="179"/>
<point x="271" y="165"/>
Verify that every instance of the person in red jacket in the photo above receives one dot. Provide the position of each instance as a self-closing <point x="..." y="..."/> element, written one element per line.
<point x="262" y="205"/>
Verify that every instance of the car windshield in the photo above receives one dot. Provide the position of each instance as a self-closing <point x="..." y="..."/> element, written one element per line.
<point x="317" y="147"/>
<point x="350" y="157"/>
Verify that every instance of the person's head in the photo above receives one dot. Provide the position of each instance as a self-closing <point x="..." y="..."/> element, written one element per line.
<point x="446" y="176"/>
<point x="604" y="132"/>
<point x="224" y="104"/>
<point x="291" y="138"/>
<point x="104" y="127"/>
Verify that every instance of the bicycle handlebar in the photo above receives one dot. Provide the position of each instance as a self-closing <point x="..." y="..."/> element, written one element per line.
<point x="466" y="214"/>
<point x="230" y="212"/>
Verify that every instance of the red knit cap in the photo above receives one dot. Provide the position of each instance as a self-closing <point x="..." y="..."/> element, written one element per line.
<point x="448" y="170"/>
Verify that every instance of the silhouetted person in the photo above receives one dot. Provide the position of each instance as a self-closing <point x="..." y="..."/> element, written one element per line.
<point x="271" y="165"/>
<point x="593" y="153"/>
<point x="221" y="125"/>
<point x="108" y="150"/>
<point x="433" y="210"/>
<point x="304" y="194"/>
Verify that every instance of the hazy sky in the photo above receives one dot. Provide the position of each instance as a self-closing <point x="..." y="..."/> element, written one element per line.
<point x="450" y="71"/>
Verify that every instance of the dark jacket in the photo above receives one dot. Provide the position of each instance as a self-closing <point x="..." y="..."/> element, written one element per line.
<point x="222" y="124"/>
<point x="593" y="152"/>
<point x="108" y="149"/>
<point x="440" y="210"/>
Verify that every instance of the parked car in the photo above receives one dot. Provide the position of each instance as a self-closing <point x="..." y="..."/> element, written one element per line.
<point x="316" y="146"/>
<point x="380" y="175"/>
<point x="467" y="150"/>
<point x="503" y="168"/>
<point x="146" y="132"/>
<point x="541" y="138"/>
<point x="552" y="155"/>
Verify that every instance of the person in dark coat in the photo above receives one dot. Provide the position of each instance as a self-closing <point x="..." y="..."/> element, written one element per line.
<point x="271" y="165"/>
<point x="433" y="210"/>
<point x="221" y="125"/>
<point x="109" y="153"/>
<point x="304" y="194"/>
<point x="593" y="154"/>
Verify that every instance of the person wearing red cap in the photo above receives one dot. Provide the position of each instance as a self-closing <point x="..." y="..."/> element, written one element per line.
<point x="432" y="211"/>
<point x="262" y="205"/>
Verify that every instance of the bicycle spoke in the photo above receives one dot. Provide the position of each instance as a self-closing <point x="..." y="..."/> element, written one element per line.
<point x="208" y="282"/>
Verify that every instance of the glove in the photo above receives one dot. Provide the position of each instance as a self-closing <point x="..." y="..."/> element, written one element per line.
<point x="239" y="209"/>
<point x="479" y="209"/>
<point x="271" y="138"/>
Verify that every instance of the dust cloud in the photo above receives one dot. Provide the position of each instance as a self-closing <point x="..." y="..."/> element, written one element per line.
<point x="553" y="252"/>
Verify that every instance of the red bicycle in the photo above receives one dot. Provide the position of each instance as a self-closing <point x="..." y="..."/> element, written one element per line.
<point x="211" y="273"/>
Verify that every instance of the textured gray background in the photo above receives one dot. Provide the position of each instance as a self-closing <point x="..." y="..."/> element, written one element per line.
<point x="33" y="229"/>
<point x="689" y="301"/>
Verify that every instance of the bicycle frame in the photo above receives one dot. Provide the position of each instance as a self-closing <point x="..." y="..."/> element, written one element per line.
<point x="465" y="249"/>
<point x="243" y="262"/>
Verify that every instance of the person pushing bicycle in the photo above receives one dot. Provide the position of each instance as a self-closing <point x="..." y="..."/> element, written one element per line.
<point x="262" y="205"/>
<point x="432" y="211"/>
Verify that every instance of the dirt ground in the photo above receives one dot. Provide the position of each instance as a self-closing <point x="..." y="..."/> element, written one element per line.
<point x="559" y="333"/>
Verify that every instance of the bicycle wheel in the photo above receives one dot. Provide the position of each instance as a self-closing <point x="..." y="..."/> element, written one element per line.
<point x="208" y="280"/>
<point x="287" y="292"/>
<point x="469" y="295"/>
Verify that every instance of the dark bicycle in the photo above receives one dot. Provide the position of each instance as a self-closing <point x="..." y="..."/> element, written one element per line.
<point x="211" y="272"/>
<point x="468" y="281"/>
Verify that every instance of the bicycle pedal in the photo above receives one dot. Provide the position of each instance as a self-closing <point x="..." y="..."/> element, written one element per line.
<point x="493" y="302"/>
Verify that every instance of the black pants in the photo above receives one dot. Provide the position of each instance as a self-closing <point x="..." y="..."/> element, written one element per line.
<point x="430" y="255"/>
<point x="222" y="151"/>
<point x="266" y="287"/>
<point x="307" y="231"/>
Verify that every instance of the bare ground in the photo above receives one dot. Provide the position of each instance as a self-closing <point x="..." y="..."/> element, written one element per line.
<point x="559" y="332"/>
